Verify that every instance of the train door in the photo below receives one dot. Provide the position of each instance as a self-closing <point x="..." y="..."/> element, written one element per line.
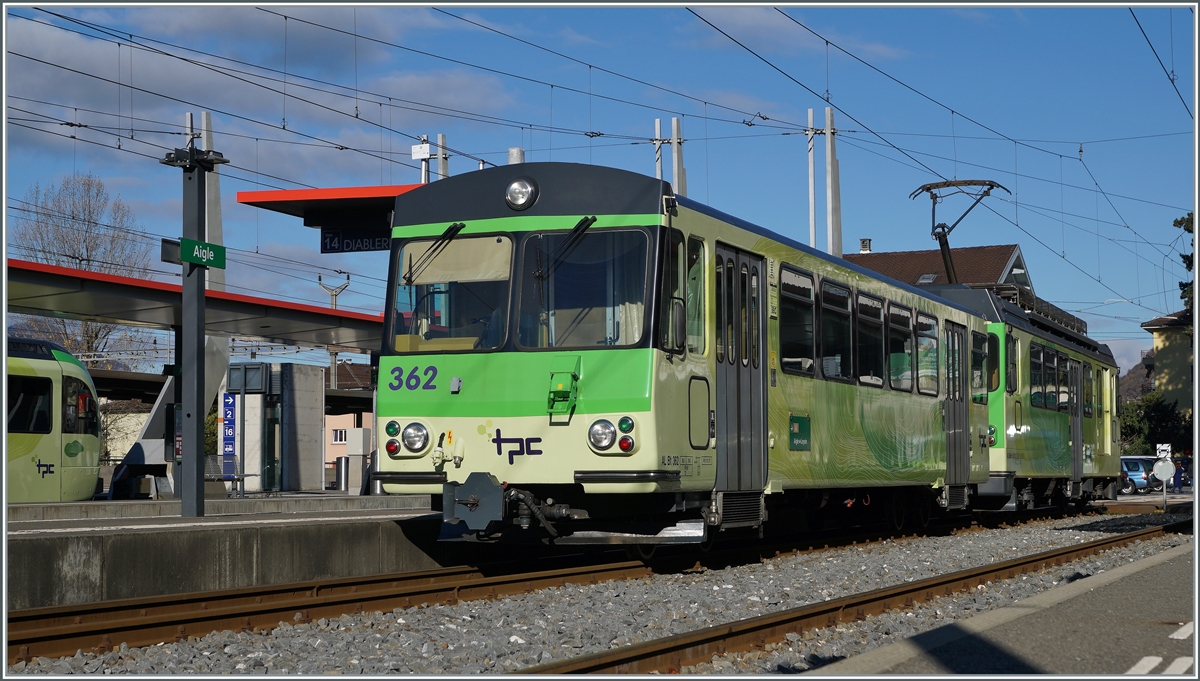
<point x="741" y="391"/>
<point x="958" y="453"/>
<point x="1075" y="408"/>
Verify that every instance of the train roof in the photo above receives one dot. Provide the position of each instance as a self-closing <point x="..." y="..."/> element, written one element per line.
<point x="34" y="348"/>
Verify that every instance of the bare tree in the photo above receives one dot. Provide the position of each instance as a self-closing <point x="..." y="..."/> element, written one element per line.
<point x="75" y="224"/>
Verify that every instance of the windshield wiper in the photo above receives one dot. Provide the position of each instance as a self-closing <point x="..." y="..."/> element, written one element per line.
<point x="564" y="249"/>
<point x="435" y="249"/>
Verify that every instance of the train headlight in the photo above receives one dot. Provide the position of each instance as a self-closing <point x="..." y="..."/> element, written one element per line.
<point x="521" y="193"/>
<point x="602" y="434"/>
<point x="392" y="428"/>
<point x="415" y="437"/>
<point x="625" y="443"/>
<point x="392" y="447"/>
<point x="625" y="425"/>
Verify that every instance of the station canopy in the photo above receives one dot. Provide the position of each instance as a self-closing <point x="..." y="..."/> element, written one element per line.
<point x="64" y="292"/>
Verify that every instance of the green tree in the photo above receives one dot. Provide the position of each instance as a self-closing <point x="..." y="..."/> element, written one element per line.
<point x="211" y="441"/>
<point x="1186" y="287"/>
<point x="1150" y="421"/>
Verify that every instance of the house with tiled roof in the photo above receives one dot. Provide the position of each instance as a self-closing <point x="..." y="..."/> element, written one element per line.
<point x="974" y="265"/>
<point x="1170" y="364"/>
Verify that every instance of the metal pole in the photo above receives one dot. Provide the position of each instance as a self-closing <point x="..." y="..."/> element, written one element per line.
<point x="192" y="359"/>
<point x="812" y="194"/>
<point x="443" y="158"/>
<point x="658" y="148"/>
<point x="242" y="440"/>
<point x="677" y="176"/>
<point x="425" y="162"/>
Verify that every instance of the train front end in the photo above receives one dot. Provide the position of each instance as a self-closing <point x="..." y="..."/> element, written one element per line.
<point x="516" y="374"/>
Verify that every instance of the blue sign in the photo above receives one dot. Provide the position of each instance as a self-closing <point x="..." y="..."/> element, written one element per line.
<point x="229" y="436"/>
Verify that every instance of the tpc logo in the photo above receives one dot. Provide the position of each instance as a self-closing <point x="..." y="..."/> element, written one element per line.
<point x="524" y="446"/>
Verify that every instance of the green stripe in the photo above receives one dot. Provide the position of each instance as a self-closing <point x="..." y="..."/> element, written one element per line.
<point x="67" y="358"/>
<point x="527" y="224"/>
<point x="511" y="383"/>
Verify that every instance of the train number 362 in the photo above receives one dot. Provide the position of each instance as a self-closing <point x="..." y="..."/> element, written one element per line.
<point x="413" y="380"/>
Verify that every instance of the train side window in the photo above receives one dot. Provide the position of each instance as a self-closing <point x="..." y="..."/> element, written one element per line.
<point x="672" y="287"/>
<point x="1035" y="375"/>
<point x="796" y="334"/>
<point x="1064" y="383"/>
<point x="993" y="362"/>
<point x="1049" y="379"/>
<point x="1012" y="349"/>
<point x="837" y="350"/>
<point x="30" y="401"/>
<point x="1088" y="394"/>
<point x="870" y="340"/>
<point x="719" y="298"/>
<point x="695" y="295"/>
<point x="744" y="314"/>
<point x="80" y="414"/>
<point x="900" y="348"/>
<point x="754" y="317"/>
<point x="927" y="355"/>
<point x="979" y="368"/>
<point x="731" y="310"/>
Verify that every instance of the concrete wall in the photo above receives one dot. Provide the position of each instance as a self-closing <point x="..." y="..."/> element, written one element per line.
<point x="61" y="569"/>
<point x="1173" y="366"/>
<point x="302" y="427"/>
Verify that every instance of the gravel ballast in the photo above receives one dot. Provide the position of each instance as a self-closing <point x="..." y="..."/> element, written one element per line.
<point x="515" y="632"/>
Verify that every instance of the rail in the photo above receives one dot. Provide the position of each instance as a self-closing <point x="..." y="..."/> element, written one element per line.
<point x="669" y="655"/>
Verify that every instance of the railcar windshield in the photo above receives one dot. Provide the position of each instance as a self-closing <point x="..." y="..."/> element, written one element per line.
<point x="452" y="294"/>
<point x="583" y="293"/>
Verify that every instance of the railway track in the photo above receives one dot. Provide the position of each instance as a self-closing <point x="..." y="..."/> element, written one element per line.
<point x="669" y="655"/>
<point x="103" y="626"/>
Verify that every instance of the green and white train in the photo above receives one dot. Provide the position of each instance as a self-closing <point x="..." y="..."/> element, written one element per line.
<point x="574" y="353"/>
<point x="53" y="435"/>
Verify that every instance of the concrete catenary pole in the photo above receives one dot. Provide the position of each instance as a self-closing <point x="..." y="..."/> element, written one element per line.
<point x="443" y="158"/>
<point x="678" y="175"/>
<point x="832" y="190"/>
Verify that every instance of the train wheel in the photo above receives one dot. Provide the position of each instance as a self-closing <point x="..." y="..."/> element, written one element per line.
<point x="641" y="552"/>
<point x="710" y="540"/>
<point x="920" y="511"/>
<point x="894" y="513"/>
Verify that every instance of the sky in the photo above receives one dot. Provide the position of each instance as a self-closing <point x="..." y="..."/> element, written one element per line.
<point x="1084" y="114"/>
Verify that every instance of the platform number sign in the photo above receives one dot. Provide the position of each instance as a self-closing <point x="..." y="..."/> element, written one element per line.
<point x="228" y="436"/>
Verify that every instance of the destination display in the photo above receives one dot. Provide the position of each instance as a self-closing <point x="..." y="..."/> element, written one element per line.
<point x="343" y="240"/>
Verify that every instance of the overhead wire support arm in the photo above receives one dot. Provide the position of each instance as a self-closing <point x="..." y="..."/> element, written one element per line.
<point x="941" y="231"/>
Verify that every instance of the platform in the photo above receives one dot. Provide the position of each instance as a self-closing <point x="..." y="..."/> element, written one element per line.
<point x="60" y="554"/>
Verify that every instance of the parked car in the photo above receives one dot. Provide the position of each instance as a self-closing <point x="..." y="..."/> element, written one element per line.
<point x="1137" y="475"/>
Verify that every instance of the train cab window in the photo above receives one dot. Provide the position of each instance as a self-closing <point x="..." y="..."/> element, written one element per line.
<point x="452" y="294"/>
<point x="1064" y="383"/>
<point x="30" y="404"/>
<point x="837" y="358"/>
<point x="870" y="340"/>
<point x="927" y="355"/>
<point x="900" y="348"/>
<point x="993" y="364"/>
<point x="695" y="295"/>
<point x="796" y="333"/>
<point x="1049" y="379"/>
<point x="1035" y="375"/>
<point x="672" y="286"/>
<point x="979" y="368"/>
<point x="1088" y="390"/>
<point x="586" y="293"/>
<point x="719" y="297"/>
<point x="81" y="416"/>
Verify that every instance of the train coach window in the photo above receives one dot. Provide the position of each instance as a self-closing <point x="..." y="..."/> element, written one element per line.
<point x="30" y="400"/>
<point x="1035" y="375"/>
<point x="753" y="320"/>
<point x="870" y="340"/>
<point x="695" y="295"/>
<point x="744" y="315"/>
<point x="979" y="368"/>
<point x="1049" y="379"/>
<point x="836" y="345"/>
<point x="993" y="362"/>
<point x="1088" y="394"/>
<point x="730" y="310"/>
<point x="796" y="334"/>
<point x="927" y="355"/>
<point x="1011" y="350"/>
<point x="1064" y="383"/>
<point x="672" y="287"/>
<point x="900" y="348"/>
<point x="719" y="298"/>
<point x="80" y="413"/>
